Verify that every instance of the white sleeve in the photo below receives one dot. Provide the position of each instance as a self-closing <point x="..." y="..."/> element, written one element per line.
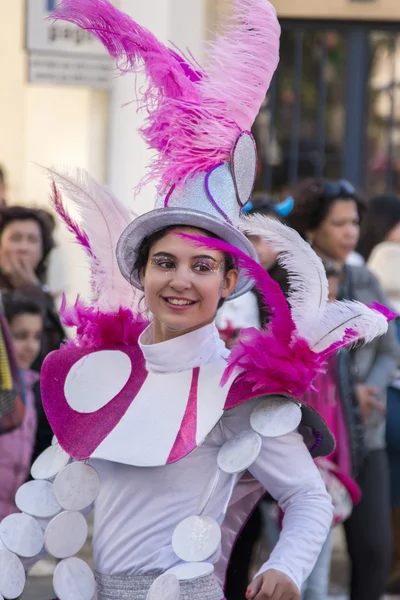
<point x="287" y="471"/>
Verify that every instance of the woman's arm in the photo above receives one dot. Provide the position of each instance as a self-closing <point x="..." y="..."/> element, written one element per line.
<point x="287" y="471"/>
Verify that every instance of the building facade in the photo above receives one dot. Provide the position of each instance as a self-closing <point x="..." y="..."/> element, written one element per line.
<point x="334" y="105"/>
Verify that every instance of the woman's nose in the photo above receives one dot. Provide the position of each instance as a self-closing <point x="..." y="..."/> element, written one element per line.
<point x="181" y="279"/>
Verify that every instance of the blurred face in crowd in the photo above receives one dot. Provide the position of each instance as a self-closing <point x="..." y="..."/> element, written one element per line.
<point x="337" y="235"/>
<point x="21" y="242"/>
<point x="26" y="330"/>
<point x="183" y="284"/>
<point x="266" y="253"/>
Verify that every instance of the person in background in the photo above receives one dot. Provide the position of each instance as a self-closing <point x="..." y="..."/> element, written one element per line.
<point x="3" y="187"/>
<point x="331" y="398"/>
<point x="25" y="320"/>
<point x="25" y="243"/>
<point x="328" y="215"/>
<point x="380" y="247"/>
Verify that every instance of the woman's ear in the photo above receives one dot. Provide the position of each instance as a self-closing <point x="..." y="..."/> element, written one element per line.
<point x="230" y="282"/>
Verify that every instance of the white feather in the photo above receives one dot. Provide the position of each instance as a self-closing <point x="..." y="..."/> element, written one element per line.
<point x="103" y="218"/>
<point x="308" y="292"/>
<point x="340" y="317"/>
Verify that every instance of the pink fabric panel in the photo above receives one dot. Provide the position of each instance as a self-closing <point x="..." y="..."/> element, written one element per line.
<point x="80" y="434"/>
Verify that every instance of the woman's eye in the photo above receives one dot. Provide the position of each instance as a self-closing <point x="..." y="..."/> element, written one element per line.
<point x="203" y="267"/>
<point x="163" y="263"/>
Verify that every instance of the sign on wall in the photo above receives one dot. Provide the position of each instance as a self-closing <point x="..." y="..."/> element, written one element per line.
<point x="60" y="53"/>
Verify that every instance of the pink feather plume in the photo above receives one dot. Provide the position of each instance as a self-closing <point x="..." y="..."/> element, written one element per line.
<point x="98" y="329"/>
<point x="193" y="118"/>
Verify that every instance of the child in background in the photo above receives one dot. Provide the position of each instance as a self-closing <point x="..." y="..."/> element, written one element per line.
<point x="26" y="325"/>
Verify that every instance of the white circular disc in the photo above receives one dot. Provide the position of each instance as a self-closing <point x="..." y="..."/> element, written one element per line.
<point x="194" y="570"/>
<point x="73" y="579"/>
<point x="165" y="587"/>
<point x="77" y="486"/>
<point x="196" y="538"/>
<point x="275" y="416"/>
<point x="96" y="379"/>
<point x="22" y="535"/>
<point x="66" y="534"/>
<point x="36" y="498"/>
<point x="240" y="452"/>
<point x="50" y="463"/>
<point x="12" y="575"/>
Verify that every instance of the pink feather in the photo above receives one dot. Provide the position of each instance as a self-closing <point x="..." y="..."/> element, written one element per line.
<point x="193" y="119"/>
<point x="97" y="329"/>
<point x="72" y="226"/>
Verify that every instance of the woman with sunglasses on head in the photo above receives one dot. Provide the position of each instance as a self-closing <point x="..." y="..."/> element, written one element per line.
<point x="327" y="214"/>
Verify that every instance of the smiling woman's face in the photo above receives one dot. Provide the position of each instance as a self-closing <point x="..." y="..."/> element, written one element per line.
<point x="183" y="284"/>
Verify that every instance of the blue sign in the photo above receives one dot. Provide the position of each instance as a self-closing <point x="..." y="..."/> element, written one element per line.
<point x="51" y="4"/>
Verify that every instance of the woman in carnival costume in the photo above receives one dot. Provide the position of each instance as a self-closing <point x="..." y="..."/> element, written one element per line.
<point x="170" y="437"/>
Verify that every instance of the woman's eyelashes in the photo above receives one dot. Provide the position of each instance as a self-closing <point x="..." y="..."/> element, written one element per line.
<point x="199" y="265"/>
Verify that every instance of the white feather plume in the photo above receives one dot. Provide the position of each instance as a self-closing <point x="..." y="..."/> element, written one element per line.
<point x="308" y="285"/>
<point x="348" y="317"/>
<point x="102" y="218"/>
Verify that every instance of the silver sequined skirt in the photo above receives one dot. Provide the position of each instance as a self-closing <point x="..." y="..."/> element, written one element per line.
<point x="124" y="587"/>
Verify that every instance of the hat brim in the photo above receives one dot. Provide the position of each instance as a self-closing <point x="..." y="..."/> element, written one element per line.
<point x="155" y="220"/>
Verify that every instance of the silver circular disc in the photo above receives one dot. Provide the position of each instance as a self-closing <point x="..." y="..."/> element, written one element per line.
<point x="66" y="534"/>
<point x="73" y="579"/>
<point x="50" y="463"/>
<point x="275" y="416"/>
<point x="196" y="538"/>
<point x="77" y="486"/>
<point x="192" y="570"/>
<point x="240" y="452"/>
<point x="12" y="575"/>
<point x="22" y="535"/>
<point x="36" y="498"/>
<point x="165" y="587"/>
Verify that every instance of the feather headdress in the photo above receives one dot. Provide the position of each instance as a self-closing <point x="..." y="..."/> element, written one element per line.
<point x="280" y="356"/>
<point x="102" y="219"/>
<point x="193" y="116"/>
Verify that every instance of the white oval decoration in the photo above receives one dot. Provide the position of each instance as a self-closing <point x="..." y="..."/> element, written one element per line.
<point x="12" y="575"/>
<point x="66" y="534"/>
<point x="36" y="498"/>
<point x="196" y="538"/>
<point x="22" y="535"/>
<point x="189" y="571"/>
<point x="276" y="416"/>
<point x="49" y="463"/>
<point x="165" y="587"/>
<point x="96" y="379"/>
<point x="240" y="452"/>
<point x="73" y="578"/>
<point x="77" y="486"/>
<point x="244" y="166"/>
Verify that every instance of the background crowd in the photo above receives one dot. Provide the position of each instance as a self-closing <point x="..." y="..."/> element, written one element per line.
<point x="358" y="240"/>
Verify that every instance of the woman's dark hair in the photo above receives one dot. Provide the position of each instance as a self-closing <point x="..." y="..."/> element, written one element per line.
<point x="383" y="214"/>
<point x="22" y="213"/>
<point x="147" y="244"/>
<point x="313" y="199"/>
<point x="16" y="304"/>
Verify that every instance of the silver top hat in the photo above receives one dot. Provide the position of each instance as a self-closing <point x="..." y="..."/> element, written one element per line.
<point x="211" y="201"/>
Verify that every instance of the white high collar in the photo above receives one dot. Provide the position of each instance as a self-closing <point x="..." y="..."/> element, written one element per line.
<point x="193" y="349"/>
